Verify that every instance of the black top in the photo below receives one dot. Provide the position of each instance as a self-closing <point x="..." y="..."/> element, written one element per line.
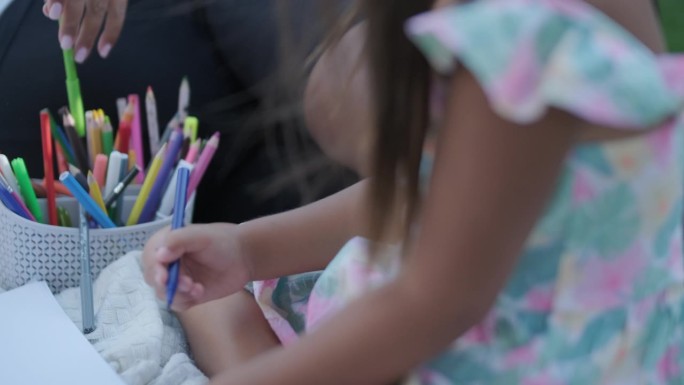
<point x="227" y="50"/>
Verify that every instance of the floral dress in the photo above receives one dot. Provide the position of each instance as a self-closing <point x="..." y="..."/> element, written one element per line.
<point x="597" y="295"/>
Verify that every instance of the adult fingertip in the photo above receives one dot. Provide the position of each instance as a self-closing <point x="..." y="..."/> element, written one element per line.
<point x="55" y="11"/>
<point x="81" y="55"/>
<point x="66" y="42"/>
<point x="104" y="50"/>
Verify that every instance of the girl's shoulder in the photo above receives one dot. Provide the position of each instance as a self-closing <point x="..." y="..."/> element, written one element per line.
<point x="530" y="55"/>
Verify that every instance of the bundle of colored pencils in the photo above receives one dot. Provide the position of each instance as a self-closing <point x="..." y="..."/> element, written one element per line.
<point x="97" y="167"/>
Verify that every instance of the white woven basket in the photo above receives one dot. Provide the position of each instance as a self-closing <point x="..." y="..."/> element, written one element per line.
<point x="31" y="251"/>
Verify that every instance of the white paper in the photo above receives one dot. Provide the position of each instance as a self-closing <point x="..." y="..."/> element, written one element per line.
<point x="39" y="344"/>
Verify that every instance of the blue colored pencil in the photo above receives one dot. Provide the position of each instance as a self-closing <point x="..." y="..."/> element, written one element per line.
<point x="8" y="200"/>
<point x="182" y="178"/>
<point x="154" y="199"/>
<point x="86" y="201"/>
<point x="12" y="200"/>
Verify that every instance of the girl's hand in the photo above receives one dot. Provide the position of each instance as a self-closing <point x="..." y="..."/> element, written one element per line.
<point x="212" y="265"/>
<point x="82" y="21"/>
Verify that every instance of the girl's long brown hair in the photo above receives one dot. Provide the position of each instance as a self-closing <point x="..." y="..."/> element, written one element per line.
<point x="400" y="86"/>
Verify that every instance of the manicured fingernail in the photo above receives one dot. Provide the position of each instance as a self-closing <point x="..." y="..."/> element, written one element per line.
<point x="67" y="42"/>
<point x="81" y="55"/>
<point x="104" y="51"/>
<point x="55" y="11"/>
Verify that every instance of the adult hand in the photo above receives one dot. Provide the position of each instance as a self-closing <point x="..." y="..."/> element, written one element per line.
<point x="212" y="264"/>
<point x="82" y="20"/>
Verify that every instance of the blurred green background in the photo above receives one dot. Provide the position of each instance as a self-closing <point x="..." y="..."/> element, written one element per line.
<point x="672" y="14"/>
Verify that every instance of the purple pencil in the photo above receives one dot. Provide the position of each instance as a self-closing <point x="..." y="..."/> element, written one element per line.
<point x="154" y="199"/>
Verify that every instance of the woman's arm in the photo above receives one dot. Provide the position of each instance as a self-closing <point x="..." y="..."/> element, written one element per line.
<point x="491" y="182"/>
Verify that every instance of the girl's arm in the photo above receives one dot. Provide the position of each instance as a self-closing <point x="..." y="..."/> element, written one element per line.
<point x="303" y="239"/>
<point x="491" y="181"/>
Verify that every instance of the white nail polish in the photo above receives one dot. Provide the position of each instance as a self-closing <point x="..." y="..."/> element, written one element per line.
<point x="55" y="11"/>
<point x="67" y="42"/>
<point x="104" y="52"/>
<point x="81" y="55"/>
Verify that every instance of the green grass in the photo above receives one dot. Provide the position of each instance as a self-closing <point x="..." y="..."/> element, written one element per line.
<point x="672" y="12"/>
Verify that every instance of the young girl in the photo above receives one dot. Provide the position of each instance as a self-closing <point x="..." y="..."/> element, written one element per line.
<point x="542" y="244"/>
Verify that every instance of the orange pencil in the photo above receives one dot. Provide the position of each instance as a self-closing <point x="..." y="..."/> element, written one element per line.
<point x="132" y="159"/>
<point x="39" y="188"/>
<point x="62" y="164"/>
<point x="61" y="189"/>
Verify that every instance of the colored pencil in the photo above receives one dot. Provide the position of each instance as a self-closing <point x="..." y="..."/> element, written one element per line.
<point x="95" y="192"/>
<point x="113" y="171"/>
<point x="191" y="128"/>
<point x="107" y="137"/>
<point x="154" y="199"/>
<point x="167" y="202"/>
<point x="48" y="166"/>
<point x="62" y="164"/>
<point x="25" y="188"/>
<point x="203" y="163"/>
<point x="136" y="136"/>
<point x="146" y="186"/>
<point x="191" y="157"/>
<point x="120" y="107"/>
<point x="121" y="187"/>
<point x="183" y="99"/>
<point x="152" y="121"/>
<point x="100" y="169"/>
<point x="74" y="92"/>
<point x="20" y="207"/>
<point x="79" y="151"/>
<point x="61" y="137"/>
<point x="123" y="136"/>
<point x="86" y="201"/>
<point x="80" y="178"/>
<point x="177" y="223"/>
<point x="8" y="173"/>
<point x="86" y="284"/>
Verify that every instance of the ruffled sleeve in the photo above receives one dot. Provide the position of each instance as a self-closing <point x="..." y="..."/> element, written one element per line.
<point x="529" y="55"/>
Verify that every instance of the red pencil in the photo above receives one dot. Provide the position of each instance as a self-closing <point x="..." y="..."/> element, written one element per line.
<point x="48" y="165"/>
<point x="123" y="137"/>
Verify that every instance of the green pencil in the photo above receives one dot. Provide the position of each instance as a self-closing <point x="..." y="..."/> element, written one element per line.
<point x="73" y="87"/>
<point x="26" y="189"/>
<point x="107" y="137"/>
